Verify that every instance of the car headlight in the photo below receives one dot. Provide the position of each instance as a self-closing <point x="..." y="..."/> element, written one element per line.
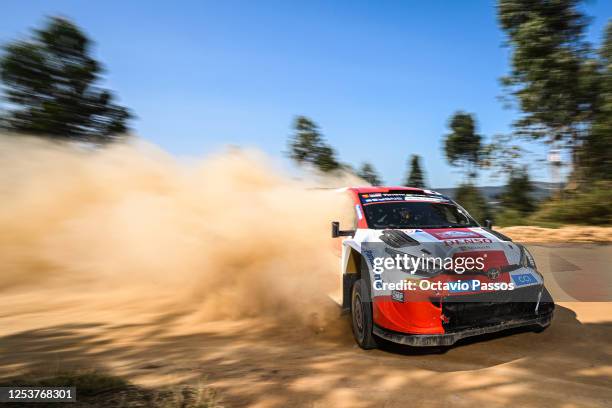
<point x="527" y="260"/>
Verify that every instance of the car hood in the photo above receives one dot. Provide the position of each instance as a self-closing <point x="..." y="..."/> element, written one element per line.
<point x="444" y="242"/>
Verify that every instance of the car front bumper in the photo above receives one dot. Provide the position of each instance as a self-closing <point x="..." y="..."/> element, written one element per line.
<point x="450" y="338"/>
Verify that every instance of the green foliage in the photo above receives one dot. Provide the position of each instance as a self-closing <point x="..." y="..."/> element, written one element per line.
<point x="50" y="81"/>
<point x="516" y="195"/>
<point x="416" y="177"/>
<point x="501" y="154"/>
<point x="369" y="174"/>
<point x="463" y="145"/>
<point x="563" y="88"/>
<point x="591" y="207"/>
<point x="470" y="198"/>
<point x="596" y="155"/>
<point x="550" y="74"/>
<point x="308" y="147"/>
<point x="509" y="217"/>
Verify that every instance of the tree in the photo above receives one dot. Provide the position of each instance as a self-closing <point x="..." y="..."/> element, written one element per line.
<point x="470" y="198"/>
<point x="50" y="85"/>
<point x="325" y="159"/>
<point x="596" y="155"/>
<point x="501" y="154"/>
<point x="416" y="177"/>
<point x="308" y="147"/>
<point x="369" y="174"/>
<point x="463" y="145"/>
<point x="552" y="76"/>
<point x="517" y="193"/>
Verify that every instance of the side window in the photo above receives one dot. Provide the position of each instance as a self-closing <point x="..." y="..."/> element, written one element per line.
<point x="450" y="217"/>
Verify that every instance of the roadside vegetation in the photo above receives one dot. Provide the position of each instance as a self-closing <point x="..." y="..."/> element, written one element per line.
<point x="97" y="389"/>
<point x="590" y="206"/>
<point x="560" y="85"/>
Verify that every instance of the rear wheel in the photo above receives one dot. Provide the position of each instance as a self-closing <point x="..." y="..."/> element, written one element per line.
<point x="361" y="316"/>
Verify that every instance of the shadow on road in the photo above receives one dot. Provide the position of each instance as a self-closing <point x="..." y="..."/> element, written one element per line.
<point x="253" y="362"/>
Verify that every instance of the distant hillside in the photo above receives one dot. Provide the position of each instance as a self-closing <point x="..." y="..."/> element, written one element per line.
<point x="541" y="191"/>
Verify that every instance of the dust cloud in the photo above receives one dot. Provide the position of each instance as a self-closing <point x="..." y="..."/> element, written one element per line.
<point x="228" y="234"/>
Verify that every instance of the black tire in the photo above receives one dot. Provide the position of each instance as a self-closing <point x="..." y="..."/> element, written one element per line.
<point x="540" y="329"/>
<point x="362" y="320"/>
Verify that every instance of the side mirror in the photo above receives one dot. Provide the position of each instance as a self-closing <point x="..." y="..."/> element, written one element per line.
<point x="488" y="224"/>
<point x="337" y="233"/>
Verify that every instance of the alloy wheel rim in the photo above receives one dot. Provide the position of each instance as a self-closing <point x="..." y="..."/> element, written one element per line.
<point x="358" y="314"/>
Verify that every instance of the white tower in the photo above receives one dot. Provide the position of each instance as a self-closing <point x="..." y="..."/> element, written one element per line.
<point x="554" y="164"/>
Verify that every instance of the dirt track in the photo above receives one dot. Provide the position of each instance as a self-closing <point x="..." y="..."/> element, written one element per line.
<point x="254" y="362"/>
<point x="132" y="262"/>
<point x="565" y="234"/>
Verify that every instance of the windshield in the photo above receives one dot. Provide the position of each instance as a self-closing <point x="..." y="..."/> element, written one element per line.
<point x="416" y="215"/>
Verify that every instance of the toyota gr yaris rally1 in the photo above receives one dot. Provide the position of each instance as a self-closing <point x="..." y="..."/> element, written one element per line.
<point x="417" y="269"/>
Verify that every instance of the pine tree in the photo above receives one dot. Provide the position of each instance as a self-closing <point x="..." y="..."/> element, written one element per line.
<point x="50" y="84"/>
<point x="415" y="177"/>
<point x="369" y="174"/>
<point x="463" y="145"/>
<point x="307" y="146"/>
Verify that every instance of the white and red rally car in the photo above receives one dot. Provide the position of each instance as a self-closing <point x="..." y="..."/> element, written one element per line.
<point x="429" y="294"/>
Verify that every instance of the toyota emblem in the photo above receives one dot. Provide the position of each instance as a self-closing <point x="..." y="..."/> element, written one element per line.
<point x="493" y="273"/>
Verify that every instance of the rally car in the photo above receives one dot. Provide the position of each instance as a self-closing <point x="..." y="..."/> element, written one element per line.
<point x="429" y="294"/>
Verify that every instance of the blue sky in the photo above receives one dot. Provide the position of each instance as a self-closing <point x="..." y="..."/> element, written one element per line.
<point x="380" y="78"/>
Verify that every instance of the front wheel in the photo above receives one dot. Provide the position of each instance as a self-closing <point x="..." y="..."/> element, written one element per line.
<point x="361" y="316"/>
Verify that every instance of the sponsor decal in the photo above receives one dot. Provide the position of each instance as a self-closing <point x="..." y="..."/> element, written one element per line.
<point x="383" y="197"/>
<point x="524" y="279"/>
<point x="467" y="248"/>
<point x="397" y="296"/>
<point x="369" y="256"/>
<point x="413" y="197"/>
<point x="453" y="242"/>
<point x="455" y="234"/>
<point x="377" y="279"/>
